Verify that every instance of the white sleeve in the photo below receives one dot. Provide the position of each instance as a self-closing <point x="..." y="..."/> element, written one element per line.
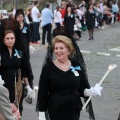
<point x="42" y="116"/>
<point x="60" y="17"/>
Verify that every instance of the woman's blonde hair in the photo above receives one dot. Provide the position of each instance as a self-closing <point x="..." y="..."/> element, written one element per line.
<point x="68" y="43"/>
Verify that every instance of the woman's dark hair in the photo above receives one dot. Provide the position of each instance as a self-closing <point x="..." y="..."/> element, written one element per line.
<point x="7" y="25"/>
<point x="19" y="12"/>
<point x="69" y="5"/>
<point x="7" y="32"/>
<point x="114" y="2"/>
<point x="105" y="3"/>
<point x="89" y="6"/>
<point x="47" y="5"/>
<point x="36" y="2"/>
<point x="57" y="8"/>
<point x="78" y="7"/>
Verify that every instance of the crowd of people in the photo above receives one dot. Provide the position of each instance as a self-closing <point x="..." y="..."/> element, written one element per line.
<point x="63" y="79"/>
<point x="75" y="17"/>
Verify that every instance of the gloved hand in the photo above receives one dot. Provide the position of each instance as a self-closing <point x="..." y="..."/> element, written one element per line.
<point x="1" y="81"/>
<point x="93" y="91"/>
<point x="32" y="49"/>
<point x="42" y="116"/>
<point x="31" y="92"/>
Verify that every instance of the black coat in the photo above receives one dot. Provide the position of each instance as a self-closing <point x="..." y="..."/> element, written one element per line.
<point x="9" y="69"/>
<point x="69" y="22"/>
<point x="60" y="92"/>
<point x="26" y="37"/>
<point x="90" y="19"/>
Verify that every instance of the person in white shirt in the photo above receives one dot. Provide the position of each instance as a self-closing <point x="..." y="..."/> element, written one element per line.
<point x="80" y="14"/>
<point x="26" y="16"/>
<point x="57" y="17"/>
<point x="14" y="11"/>
<point x="36" y="23"/>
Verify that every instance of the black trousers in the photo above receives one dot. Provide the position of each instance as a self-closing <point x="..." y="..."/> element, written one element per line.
<point x="57" y="25"/>
<point x="115" y="16"/>
<point x="78" y="33"/>
<point x="46" y="28"/>
<point x="35" y="32"/>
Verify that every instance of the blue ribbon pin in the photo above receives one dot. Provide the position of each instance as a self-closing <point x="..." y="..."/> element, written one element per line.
<point x="16" y="54"/>
<point x="75" y="68"/>
<point x="24" y="30"/>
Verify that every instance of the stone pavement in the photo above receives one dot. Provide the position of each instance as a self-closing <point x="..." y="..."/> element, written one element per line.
<point x="98" y="54"/>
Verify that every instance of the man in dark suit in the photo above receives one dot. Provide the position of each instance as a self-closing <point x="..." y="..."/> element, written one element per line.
<point x="8" y="110"/>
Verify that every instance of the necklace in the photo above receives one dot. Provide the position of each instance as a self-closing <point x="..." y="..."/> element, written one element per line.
<point x="62" y="66"/>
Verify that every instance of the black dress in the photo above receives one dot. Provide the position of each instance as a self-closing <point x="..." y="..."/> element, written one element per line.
<point x="90" y="19"/>
<point x="26" y="37"/>
<point x="69" y="22"/>
<point x="9" y="70"/>
<point x="60" y="92"/>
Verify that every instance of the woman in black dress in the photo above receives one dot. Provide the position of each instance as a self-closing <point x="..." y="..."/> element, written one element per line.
<point x="10" y="65"/>
<point x="26" y="38"/>
<point x="90" y="21"/>
<point x="62" y="84"/>
<point x="12" y="59"/>
<point x="69" y="20"/>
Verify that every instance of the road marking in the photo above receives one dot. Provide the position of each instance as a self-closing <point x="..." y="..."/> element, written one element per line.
<point x="117" y="55"/>
<point x="83" y="51"/>
<point x="115" y="49"/>
<point x="99" y="53"/>
<point x="105" y="54"/>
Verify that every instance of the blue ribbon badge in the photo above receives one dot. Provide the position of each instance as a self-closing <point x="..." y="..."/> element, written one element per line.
<point x="17" y="54"/>
<point x="24" y="30"/>
<point x="71" y="15"/>
<point x="74" y="70"/>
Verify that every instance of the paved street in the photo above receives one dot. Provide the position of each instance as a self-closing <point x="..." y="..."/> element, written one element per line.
<point x="98" y="54"/>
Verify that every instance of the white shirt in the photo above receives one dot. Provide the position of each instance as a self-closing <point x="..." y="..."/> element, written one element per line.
<point x="27" y="20"/>
<point x="14" y="11"/>
<point x="79" y="13"/>
<point x="35" y="13"/>
<point x="57" y="17"/>
<point x="101" y="7"/>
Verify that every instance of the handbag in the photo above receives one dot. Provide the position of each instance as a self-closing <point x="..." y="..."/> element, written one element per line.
<point x="18" y="89"/>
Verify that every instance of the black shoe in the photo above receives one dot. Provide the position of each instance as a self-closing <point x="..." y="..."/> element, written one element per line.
<point x="90" y="38"/>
